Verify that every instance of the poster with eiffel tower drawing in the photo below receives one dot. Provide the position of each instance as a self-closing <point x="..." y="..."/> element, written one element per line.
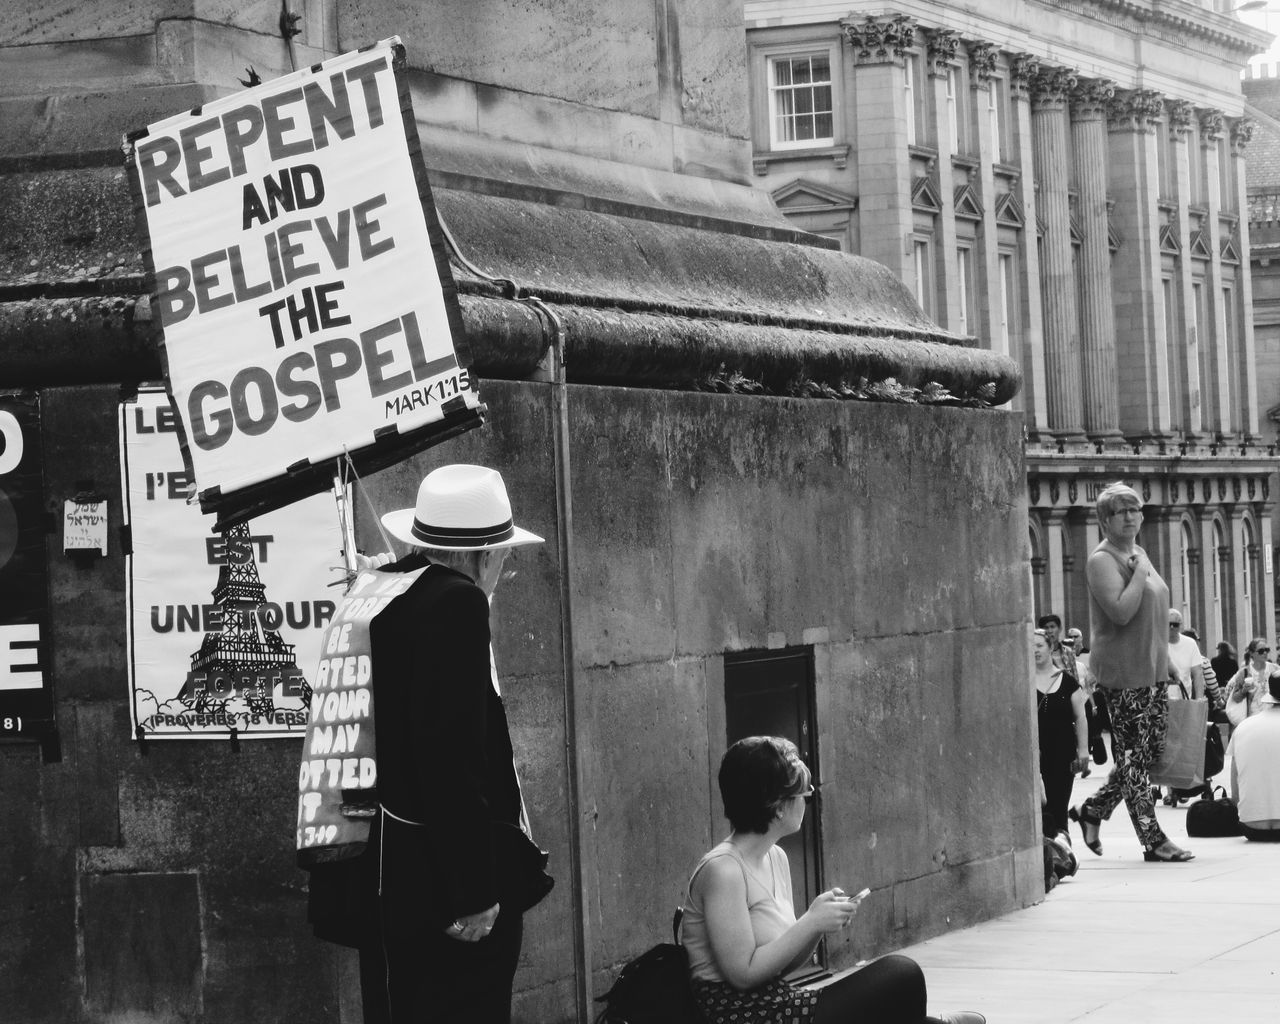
<point x="223" y="626"/>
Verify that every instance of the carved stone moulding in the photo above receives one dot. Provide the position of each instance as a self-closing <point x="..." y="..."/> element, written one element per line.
<point x="1091" y="97"/>
<point x="1180" y="113"/>
<point x="1135" y="110"/>
<point x="982" y="62"/>
<point x="941" y="47"/>
<point x="879" y="40"/>
<point x="1213" y="124"/>
<point x="1241" y="134"/>
<point x="1022" y="69"/>
<point x="1050" y="87"/>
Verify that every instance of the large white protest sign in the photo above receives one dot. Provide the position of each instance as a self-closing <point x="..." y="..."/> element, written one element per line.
<point x="305" y="310"/>
<point x="224" y="626"/>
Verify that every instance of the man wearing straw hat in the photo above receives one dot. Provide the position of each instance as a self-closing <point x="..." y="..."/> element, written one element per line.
<point x="446" y="779"/>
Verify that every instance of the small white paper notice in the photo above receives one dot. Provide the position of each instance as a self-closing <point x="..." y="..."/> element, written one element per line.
<point x="84" y="526"/>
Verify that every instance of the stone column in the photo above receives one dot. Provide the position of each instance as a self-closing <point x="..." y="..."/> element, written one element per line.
<point x="1142" y="364"/>
<point x="1222" y="360"/>
<point x="1185" y="359"/>
<point x="1050" y="87"/>
<point x="1234" y="614"/>
<point x="1266" y="569"/>
<point x="1022" y="67"/>
<point x="1089" y="101"/>
<point x="1198" y="603"/>
<point x="885" y="220"/>
<point x="1241" y="132"/>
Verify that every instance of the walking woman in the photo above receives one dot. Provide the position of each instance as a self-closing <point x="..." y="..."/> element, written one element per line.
<point x="1128" y="617"/>
<point x="1062" y="728"/>
<point x="740" y="929"/>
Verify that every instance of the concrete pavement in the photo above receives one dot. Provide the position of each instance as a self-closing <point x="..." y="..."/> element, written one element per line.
<point x="1124" y="941"/>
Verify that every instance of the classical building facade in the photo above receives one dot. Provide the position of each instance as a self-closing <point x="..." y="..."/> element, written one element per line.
<point x="1064" y="180"/>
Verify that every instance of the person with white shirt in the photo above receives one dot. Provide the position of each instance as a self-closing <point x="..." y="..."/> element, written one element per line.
<point x="1185" y="658"/>
<point x="1255" y="767"/>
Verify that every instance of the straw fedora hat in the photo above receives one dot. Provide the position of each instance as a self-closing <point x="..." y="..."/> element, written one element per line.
<point x="460" y="508"/>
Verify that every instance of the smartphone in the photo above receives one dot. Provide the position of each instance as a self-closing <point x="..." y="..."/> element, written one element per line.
<point x="862" y="895"/>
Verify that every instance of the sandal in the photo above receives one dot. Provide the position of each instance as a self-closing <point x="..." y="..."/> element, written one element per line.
<point x="1167" y="853"/>
<point x="1090" y="825"/>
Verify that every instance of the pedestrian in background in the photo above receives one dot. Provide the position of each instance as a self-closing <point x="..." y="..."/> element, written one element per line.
<point x="1184" y="660"/>
<point x="1064" y="655"/>
<point x="1062" y="732"/>
<point x="1247" y="687"/>
<point x="1128" y="625"/>
<point x="1224" y="663"/>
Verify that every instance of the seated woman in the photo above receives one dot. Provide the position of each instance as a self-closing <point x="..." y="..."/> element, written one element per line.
<point x="740" y="929"/>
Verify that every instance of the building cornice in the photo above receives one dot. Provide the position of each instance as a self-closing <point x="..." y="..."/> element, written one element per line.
<point x="1178" y="21"/>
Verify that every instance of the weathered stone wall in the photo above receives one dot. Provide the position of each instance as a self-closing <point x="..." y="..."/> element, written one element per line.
<point x="160" y="886"/>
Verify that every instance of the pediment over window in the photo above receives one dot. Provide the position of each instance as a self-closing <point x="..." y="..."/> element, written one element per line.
<point x="1200" y="245"/>
<point x="1009" y="212"/>
<point x="924" y="196"/>
<point x="1169" y="239"/>
<point x="1230" y="249"/>
<point x="1114" y="238"/>
<point x="804" y="196"/>
<point x="968" y="202"/>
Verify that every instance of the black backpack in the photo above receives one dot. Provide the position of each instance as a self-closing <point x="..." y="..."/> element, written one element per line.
<point x="654" y="987"/>
<point x="1213" y="819"/>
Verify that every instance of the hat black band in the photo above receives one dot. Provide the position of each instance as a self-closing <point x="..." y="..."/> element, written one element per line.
<point x="462" y="536"/>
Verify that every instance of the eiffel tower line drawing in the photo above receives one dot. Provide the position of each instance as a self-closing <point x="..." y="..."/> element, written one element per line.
<point x="244" y="658"/>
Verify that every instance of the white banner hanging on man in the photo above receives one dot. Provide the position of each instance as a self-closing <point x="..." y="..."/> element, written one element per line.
<point x="300" y="281"/>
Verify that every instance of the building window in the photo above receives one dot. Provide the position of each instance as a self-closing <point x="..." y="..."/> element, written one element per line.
<point x="1216" y="559"/>
<point x="1226" y="178"/>
<point x="1008" y="304"/>
<point x="910" y="80"/>
<point x="1246" y="578"/>
<point x="1174" y="351"/>
<point x="1195" y="165"/>
<point x="964" y="288"/>
<point x="995" y="118"/>
<point x="800" y="104"/>
<point x="922" y="256"/>
<point x="1184" y="573"/>
<point x="953" y="110"/>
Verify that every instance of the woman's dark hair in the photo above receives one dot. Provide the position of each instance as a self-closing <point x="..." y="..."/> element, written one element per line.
<point x="756" y="775"/>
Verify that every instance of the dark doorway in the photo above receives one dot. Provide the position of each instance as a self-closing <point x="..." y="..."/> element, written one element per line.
<point x="770" y="693"/>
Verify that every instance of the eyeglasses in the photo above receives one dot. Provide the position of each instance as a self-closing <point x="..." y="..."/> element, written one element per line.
<point x="1262" y="650"/>
<point x="1175" y="625"/>
<point x="804" y="794"/>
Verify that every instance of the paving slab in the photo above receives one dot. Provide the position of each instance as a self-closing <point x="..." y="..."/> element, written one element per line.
<point x="1124" y="941"/>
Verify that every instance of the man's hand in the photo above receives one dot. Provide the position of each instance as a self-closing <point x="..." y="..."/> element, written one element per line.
<point x="473" y="927"/>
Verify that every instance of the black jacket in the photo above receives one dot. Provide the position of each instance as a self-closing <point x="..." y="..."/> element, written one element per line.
<point x="444" y="761"/>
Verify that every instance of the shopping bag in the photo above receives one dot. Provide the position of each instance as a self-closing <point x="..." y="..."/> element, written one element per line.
<point x="1181" y="762"/>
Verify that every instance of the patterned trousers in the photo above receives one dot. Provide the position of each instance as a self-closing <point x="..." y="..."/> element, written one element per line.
<point x="1139" y="718"/>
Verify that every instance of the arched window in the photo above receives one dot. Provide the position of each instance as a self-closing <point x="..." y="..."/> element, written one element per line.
<point x="1216" y="610"/>
<point x="1184" y="572"/>
<point x="1246" y="579"/>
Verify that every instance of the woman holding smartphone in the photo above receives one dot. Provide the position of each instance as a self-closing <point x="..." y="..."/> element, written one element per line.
<point x="740" y="929"/>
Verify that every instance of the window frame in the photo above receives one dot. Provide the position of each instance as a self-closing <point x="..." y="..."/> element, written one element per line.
<point x="773" y="55"/>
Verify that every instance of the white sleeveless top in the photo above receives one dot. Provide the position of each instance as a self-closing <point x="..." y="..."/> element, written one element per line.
<point x="771" y="908"/>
